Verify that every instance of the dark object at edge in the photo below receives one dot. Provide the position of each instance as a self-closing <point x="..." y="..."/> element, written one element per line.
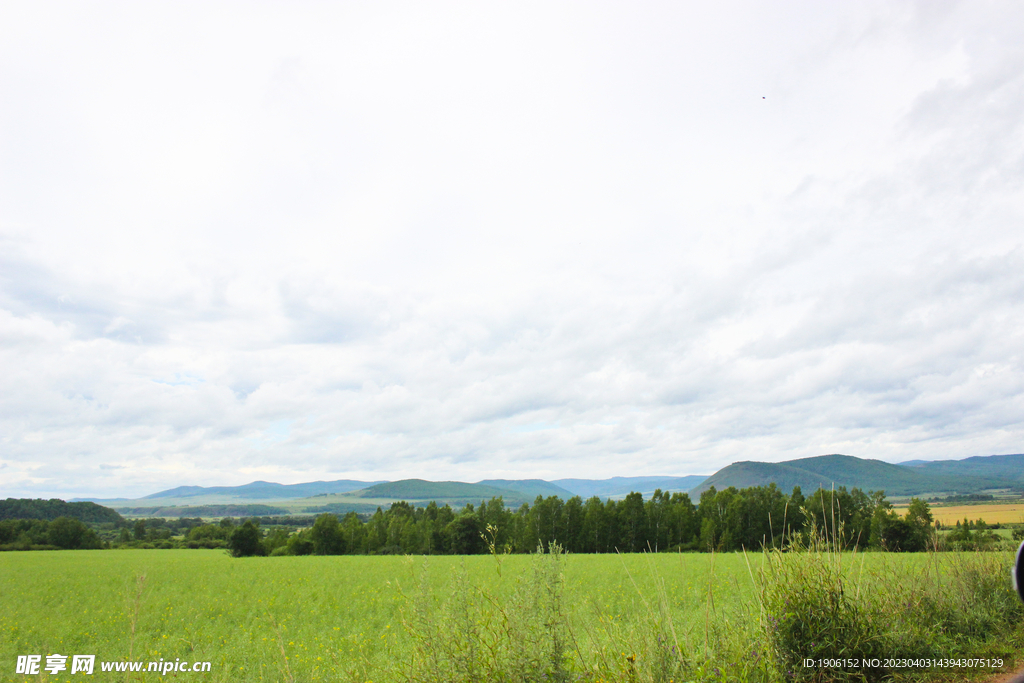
<point x="1018" y="572"/>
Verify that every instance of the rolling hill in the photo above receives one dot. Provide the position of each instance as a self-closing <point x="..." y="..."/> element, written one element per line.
<point x="529" y="487"/>
<point x="421" y="489"/>
<point x="868" y="475"/>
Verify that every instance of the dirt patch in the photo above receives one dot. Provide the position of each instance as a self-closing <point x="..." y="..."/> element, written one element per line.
<point x="1011" y="677"/>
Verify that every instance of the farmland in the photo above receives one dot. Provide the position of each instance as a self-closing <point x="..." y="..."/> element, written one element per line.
<point x="356" y="618"/>
<point x="991" y="513"/>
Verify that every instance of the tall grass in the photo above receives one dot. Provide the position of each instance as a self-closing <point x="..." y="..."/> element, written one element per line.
<point x="818" y="603"/>
<point x="811" y="601"/>
<point x="507" y="629"/>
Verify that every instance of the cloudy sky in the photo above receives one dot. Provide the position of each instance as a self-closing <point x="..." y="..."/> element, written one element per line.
<point x="299" y="241"/>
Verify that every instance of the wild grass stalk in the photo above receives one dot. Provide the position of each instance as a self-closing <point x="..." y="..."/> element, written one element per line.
<point x="510" y="630"/>
<point x="134" y="607"/>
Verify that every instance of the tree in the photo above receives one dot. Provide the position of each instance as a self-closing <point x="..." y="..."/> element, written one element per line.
<point x="275" y="540"/>
<point x="919" y="517"/>
<point x="633" y="519"/>
<point x="140" y="530"/>
<point x="594" y="537"/>
<point x="376" y="532"/>
<point x="683" y="528"/>
<point x="658" y="516"/>
<point x="464" y="535"/>
<point x="352" y="530"/>
<point x="65" y="532"/>
<point x="546" y="518"/>
<point x="892" y="532"/>
<point x="717" y="526"/>
<point x="326" y="536"/>
<point x="795" y="518"/>
<point x="299" y="544"/>
<point x="245" y="540"/>
<point x="838" y="515"/>
<point x="572" y="518"/>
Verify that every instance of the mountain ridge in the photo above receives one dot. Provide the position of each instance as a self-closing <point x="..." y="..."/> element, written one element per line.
<point x="867" y="474"/>
<point x="915" y="477"/>
<point x="517" y="490"/>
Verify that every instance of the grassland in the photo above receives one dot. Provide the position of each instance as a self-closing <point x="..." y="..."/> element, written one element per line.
<point x="352" y="618"/>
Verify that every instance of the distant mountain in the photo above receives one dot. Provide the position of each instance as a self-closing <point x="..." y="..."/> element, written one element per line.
<point x="529" y="487"/>
<point x="323" y="496"/>
<point x="868" y="475"/>
<point x="420" y="489"/>
<point x="265" y="490"/>
<point x="1006" y="468"/>
<point x="621" y="486"/>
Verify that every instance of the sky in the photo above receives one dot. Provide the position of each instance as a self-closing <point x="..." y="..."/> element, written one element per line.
<point x="461" y="240"/>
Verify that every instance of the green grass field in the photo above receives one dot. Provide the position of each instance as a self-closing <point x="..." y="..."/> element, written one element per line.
<point x="353" y="618"/>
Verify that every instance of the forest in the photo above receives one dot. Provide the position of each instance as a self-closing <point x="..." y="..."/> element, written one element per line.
<point x="725" y="520"/>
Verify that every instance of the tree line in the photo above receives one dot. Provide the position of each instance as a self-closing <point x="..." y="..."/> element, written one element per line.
<point x="62" y="533"/>
<point x="726" y="520"/>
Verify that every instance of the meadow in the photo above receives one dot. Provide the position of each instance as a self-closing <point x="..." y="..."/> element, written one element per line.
<point x="639" y="617"/>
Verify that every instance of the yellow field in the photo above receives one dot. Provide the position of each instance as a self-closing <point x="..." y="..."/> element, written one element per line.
<point x="992" y="513"/>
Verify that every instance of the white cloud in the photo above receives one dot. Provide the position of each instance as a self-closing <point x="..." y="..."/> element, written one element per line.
<point x="302" y="242"/>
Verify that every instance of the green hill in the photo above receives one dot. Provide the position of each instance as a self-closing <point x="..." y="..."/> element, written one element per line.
<point x="845" y="470"/>
<point x="37" y="508"/>
<point x="531" y="488"/>
<point x="420" y="489"/>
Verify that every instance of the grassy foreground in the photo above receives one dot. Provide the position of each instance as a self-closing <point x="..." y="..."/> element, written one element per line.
<point x="549" y="617"/>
